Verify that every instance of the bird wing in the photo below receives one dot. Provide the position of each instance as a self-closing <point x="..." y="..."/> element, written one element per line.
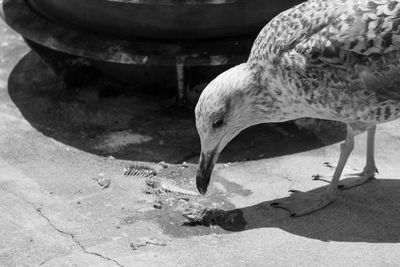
<point x="349" y="44"/>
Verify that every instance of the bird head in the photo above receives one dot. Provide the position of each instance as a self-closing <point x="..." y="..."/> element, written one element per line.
<point x="224" y="109"/>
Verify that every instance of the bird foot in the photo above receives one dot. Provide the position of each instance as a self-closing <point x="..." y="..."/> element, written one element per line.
<point x="353" y="177"/>
<point x="301" y="203"/>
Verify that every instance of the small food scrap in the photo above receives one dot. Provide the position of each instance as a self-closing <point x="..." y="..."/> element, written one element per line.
<point x="136" y="246"/>
<point x="103" y="182"/>
<point x="170" y="187"/>
<point x="164" y="165"/>
<point x="153" y="241"/>
<point x="153" y="187"/>
<point x="164" y="186"/>
<point x="141" y="169"/>
<point x="185" y="164"/>
<point x="232" y="219"/>
<point x="158" y="204"/>
<point x="142" y="242"/>
<point x="205" y="217"/>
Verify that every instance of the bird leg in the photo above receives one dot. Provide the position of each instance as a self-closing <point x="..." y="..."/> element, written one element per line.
<point x="301" y="203"/>
<point x="356" y="178"/>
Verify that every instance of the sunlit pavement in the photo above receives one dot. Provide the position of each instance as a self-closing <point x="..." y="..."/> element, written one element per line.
<point x="54" y="214"/>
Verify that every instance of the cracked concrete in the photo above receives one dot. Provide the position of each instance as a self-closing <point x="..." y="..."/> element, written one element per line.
<point x="39" y="210"/>
<point x="53" y="213"/>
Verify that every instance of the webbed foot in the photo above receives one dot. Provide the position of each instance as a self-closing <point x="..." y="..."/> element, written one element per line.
<point x="352" y="176"/>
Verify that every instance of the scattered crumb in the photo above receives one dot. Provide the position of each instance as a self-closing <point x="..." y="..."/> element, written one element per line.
<point x="154" y="242"/>
<point x="164" y="164"/>
<point x="142" y="242"/>
<point x="158" y="204"/>
<point x="153" y="187"/>
<point x="185" y="164"/>
<point x="137" y="246"/>
<point x="103" y="182"/>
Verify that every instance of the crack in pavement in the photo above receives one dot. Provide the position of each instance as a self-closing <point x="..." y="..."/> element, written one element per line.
<point x="46" y="261"/>
<point x="73" y="237"/>
<point x="39" y="211"/>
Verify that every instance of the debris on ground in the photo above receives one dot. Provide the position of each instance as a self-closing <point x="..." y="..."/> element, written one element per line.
<point x="185" y="164"/>
<point x="164" y="164"/>
<point x="153" y="187"/>
<point x="196" y="216"/>
<point x="162" y="186"/>
<point x="141" y="169"/>
<point x="205" y="217"/>
<point x="103" y="182"/>
<point x="152" y="241"/>
<point x="136" y="246"/>
<point x="158" y="204"/>
<point x="142" y="242"/>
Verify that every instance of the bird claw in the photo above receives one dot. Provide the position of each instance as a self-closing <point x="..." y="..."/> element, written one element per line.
<point x="316" y="177"/>
<point x="352" y="176"/>
<point x="294" y="191"/>
<point x="329" y="165"/>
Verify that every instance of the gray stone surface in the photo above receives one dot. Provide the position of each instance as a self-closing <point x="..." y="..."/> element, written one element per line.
<point x="54" y="214"/>
<point x="101" y="47"/>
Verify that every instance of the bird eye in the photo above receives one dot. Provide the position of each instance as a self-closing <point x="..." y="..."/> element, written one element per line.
<point x="218" y="123"/>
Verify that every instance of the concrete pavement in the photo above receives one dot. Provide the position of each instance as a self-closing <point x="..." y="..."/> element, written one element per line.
<point x="52" y="213"/>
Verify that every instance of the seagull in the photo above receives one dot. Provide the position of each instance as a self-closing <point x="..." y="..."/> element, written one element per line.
<point x="327" y="59"/>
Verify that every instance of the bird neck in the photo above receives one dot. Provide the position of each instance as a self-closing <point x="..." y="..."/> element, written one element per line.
<point x="270" y="101"/>
<point x="266" y="100"/>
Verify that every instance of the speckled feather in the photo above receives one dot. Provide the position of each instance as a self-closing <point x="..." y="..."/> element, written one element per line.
<point x="340" y="58"/>
<point x="328" y="59"/>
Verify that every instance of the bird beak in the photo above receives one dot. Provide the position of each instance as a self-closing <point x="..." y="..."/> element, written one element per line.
<point x="206" y="165"/>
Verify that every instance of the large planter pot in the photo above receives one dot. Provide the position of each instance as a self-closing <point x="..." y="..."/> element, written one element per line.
<point x="191" y="36"/>
<point x="167" y="19"/>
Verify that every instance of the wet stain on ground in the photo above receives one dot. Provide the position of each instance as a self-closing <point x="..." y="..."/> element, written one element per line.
<point x="232" y="187"/>
<point x="180" y="211"/>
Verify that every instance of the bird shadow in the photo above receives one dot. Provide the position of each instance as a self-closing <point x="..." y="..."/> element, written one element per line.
<point x="368" y="213"/>
<point x="83" y="117"/>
